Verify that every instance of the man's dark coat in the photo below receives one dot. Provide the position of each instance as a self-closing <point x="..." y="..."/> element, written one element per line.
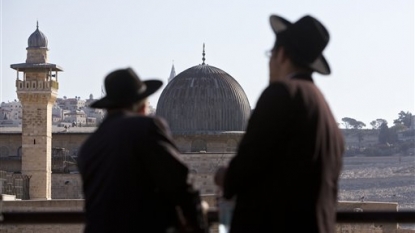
<point x="285" y="174"/>
<point x="132" y="178"/>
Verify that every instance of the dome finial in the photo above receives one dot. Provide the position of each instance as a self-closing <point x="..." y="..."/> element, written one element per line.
<point x="172" y="72"/>
<point x="37" y="24"/>
<point x="203" y="58"/>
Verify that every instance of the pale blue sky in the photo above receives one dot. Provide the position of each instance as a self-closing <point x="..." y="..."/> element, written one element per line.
<point x="371" y="51"/>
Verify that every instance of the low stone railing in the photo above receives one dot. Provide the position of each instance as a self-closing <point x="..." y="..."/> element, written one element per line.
<point x="66" y="216"/>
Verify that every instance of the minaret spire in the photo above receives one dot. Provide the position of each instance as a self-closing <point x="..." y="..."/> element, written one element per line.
<point x="203" y="58"/>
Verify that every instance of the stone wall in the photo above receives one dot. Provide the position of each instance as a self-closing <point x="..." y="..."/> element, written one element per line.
<point x="77" y="205"/>
<point x="43" y="206"/>
<point x="66" y="186"/>
<point x="11" y="142"/>
<point x="222" y="143"/>
<point x="202" y="167"/>
<point x="367" y="206"/>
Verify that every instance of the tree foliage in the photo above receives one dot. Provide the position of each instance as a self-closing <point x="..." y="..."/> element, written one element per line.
<point x="377" y="123"/>
<point x="387" y="135"/>
<point x="405" y="118"/>
<point x="355" y="125"/>
<point x="351" y="123"/>
<point x="383" y="137"/>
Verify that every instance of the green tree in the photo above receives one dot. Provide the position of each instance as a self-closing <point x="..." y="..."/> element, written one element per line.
<point x="383" y="137"/>
<point x="398" y="127"/>
<point x="360" y="137"/>
<point x="348" y="122"/>
<point x="351" y="123"/>
<point x="356" y="126"/>
<point x="388" y="135"/>
<point x="377" y="123"/>
<point x="405" y="118"/>
<point x="359" y="125"/>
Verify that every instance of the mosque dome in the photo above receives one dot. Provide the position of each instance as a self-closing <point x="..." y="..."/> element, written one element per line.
<point x="37" y="39"/>
<point x="202" y="100"/>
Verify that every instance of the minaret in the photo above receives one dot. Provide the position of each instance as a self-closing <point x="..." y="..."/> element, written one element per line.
<point x="172" y="72"/>
<point x="37" y="91"/>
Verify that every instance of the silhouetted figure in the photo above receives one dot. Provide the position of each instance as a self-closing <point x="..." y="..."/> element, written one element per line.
<point x="133" y="180"/>
<point x="286" y="170"/>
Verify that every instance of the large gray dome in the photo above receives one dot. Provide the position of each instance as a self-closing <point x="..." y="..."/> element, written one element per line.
<point x="204" y="99"/>
<point x="37" y="39"/>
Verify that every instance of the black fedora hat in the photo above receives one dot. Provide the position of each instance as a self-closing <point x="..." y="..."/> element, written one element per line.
<point x="123" y="87"/>
<point x="305" y="41"/>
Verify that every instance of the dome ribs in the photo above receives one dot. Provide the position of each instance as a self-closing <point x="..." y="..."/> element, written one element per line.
<point x="204" y="98"/>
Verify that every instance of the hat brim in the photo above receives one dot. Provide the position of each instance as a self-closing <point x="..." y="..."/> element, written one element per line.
<point x="105" y="102"/>
<point x="279" y="24"/>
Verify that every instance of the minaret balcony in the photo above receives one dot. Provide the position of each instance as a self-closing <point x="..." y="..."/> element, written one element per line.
<point x="37" y="85"/>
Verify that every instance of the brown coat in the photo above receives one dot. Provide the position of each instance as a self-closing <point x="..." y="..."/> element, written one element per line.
<point x="132" y="177"/>
<point x="285" y="174"/>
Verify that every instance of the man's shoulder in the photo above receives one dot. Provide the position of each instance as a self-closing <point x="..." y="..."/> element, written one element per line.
<point x="149" y="121"/>
<point x="290" y="87"/>
<point x="274" y="91"/>
<point x="136" y="118"/>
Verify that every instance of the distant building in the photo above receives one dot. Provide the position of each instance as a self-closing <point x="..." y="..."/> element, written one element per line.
<point x="64" y="111"/>
<point x="70" y="103"/>
<point x="10" y="114"/>
<point x="76" y="117"/>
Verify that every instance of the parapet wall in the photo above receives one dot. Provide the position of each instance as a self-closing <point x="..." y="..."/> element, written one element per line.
<point x="367" y="206"/>
<point x="77" y="205"/>
<point x="45" y="206"/>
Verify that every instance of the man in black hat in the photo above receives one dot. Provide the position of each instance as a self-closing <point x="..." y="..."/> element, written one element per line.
<point x="285" y="174"/>
<point x="132" y="176"/>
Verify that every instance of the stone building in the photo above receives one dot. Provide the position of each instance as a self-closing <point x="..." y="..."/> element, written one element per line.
<point x="10" y="113"/>
<point x="65" y="111"/>
<point x="206" y="108"/>
<point x="207" y="111"/>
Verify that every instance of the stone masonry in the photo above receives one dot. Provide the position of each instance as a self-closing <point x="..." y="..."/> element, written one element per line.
<point x="36" y="141"/>
<point x="37" y="92"/>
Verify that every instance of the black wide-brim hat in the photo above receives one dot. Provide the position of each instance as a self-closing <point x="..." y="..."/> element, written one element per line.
<point x="123" y="88"/>
<point x="304" y="40"/>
